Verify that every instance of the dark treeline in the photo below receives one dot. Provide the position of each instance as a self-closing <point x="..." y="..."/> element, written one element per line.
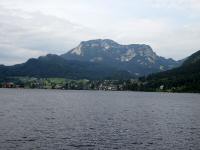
<point x="185" y="78"/>
<point x="151" y="84"/>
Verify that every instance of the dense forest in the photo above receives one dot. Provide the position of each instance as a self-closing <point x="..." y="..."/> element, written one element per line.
<point x="185" y="78"/>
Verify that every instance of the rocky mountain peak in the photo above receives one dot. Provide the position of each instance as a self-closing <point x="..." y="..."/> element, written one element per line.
<point x="100" y="42"/>
<point x="109" y="52"/>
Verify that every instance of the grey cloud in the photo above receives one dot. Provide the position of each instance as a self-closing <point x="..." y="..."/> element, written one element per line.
<point x="32" y="34"/>
<point x="25" y="34"/>
<point x="13" y="55"/>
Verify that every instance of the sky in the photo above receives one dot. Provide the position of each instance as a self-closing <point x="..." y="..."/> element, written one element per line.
<point x="31" y="28"/>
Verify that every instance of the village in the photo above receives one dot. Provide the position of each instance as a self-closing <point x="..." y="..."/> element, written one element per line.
<point x="58" y="83"/>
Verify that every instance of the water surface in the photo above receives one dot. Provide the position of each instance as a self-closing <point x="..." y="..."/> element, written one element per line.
<point x="59" y="120"/>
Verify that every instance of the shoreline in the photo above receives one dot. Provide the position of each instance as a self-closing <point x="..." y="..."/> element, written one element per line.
<point x="102" y="90"/>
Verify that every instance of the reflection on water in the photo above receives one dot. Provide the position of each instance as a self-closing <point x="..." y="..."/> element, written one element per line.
<point x="53" y="119"/>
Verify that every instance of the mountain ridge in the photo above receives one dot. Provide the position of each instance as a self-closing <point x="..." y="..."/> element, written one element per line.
<point x="135" y="58"/>
<point x="55" y="66"/>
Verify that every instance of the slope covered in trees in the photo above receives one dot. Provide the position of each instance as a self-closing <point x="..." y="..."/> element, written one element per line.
<point x="56" y="66"/>
<point x="185" y="78"/>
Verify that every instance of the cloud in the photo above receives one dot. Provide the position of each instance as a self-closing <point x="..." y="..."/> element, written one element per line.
<point x="33" y="28"/>
<point x="13" y="55"/>
<point x="24" y="35"/>
<point x="166" y="38"/>
<point x="179" y="42"/>
<point x="179" y="4"/>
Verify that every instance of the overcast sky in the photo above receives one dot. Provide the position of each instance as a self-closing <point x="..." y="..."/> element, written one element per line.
<point x="30" y="28"/>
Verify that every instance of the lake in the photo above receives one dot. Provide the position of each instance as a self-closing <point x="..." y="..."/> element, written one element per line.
<point x="59" y="120"/>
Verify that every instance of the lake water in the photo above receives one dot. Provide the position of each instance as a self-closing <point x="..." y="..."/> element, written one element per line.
<point x="58" y="120"/>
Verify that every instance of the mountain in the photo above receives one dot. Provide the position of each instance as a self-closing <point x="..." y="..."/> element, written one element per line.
<point x="138" y="59"/>
<point x="56" y="66"/>
<point x="94" y="59"/>
<point x="184" y="78"/>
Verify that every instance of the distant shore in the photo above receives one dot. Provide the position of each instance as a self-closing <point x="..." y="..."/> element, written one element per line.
<point x="84" y="84"/>
<point x="102" y="90"/>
